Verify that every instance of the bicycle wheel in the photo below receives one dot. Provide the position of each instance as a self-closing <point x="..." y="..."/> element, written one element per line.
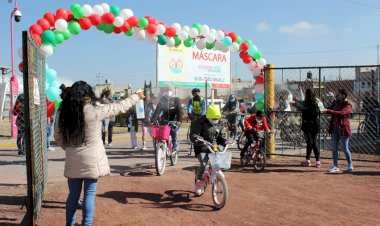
<point x="174" y="158"/>
<point x="259" y="161"/>
<point x="242" y="141"/>
<point x="219" y="191"/>
<point x="160" y="157"/>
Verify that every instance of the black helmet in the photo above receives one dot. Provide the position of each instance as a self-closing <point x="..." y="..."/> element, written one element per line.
<point x="195" y="90"/>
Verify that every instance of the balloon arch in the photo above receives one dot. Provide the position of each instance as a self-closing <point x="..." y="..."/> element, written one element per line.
<point x="52" y="29"/>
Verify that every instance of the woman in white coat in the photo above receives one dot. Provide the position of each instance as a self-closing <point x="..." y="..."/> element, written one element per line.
<point x="78" y="132"/>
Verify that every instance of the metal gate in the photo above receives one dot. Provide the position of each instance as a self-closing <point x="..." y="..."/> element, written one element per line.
<point x="35" y="124"/>
<point x="362" y="86"/>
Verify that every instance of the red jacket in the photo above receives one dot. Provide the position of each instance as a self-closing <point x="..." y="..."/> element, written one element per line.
<point x="340" y="113"/>
<point x="251" y="122"/>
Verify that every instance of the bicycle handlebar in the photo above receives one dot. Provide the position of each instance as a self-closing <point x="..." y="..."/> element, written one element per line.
<point x="210" y="145"/>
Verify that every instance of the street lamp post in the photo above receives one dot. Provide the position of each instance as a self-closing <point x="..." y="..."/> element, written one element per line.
<point x="15" y="15"/>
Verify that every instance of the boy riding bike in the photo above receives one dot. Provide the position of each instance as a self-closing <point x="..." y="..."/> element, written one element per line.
<point x="212" y="130"/>
<point x="254" y="123"/>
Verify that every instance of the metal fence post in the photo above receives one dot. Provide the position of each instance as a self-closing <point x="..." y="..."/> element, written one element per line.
<point x="269" y="105"/>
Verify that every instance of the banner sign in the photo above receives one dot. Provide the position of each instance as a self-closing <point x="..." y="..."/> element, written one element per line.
<point x="191" y="67"/>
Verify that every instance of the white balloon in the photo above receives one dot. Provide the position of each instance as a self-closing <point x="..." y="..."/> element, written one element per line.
<point x="19" y="52"/>
<point x="252" y="65"/>
<point x="183" y="35"/>
<point x="256" y="71"/>
<point x="126" y="13"/>
<point x="212" y="31"/>
<point x="259" y="88"/>
<point x="152" y="38"/>
<point x="177" y="27"/>
<point x="218" y="45"/>
<point x="106" y="7"/>
<point x="119" y="21"/>
<point x="98" y="9"/>
<point x="171" y="42"/>
<point x="61" y="25"/>
<point x="234" y="47"/>
<point x="219" y="35"/>
<point x="140" y="33"/>
<point x="261" y="63"/>
<point x="48" y="49"/>
<point x="201" y="43"/>
<point x="186" y="28"/>
<point x="205" y="30"/>
<point x="224" y="49"/>
<point x="210" y="38"/>
<point x="193" y="32"/>
<point x="160" y="29"/>
<point x="87" y="10"/>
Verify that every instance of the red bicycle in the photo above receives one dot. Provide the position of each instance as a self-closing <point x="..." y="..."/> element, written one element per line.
<point x="256" y="154"/>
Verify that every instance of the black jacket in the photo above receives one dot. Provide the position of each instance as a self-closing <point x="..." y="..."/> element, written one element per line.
<point x="310" y="116"/>
<point x="170" y="107"/>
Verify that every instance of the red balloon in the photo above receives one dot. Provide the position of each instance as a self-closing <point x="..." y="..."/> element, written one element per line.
<point x="36" y="29"/>
<point x="125" y="27"/>
<point x="247" y="60"/>
<point x="225" y="32"/>
<point x="50" y="17"/>
<point x="85" y="23"/>
<point x="170" y="31"/>
<point x="165" y="25"/>
<point x="37" y="39"/>
<point x="61" y="14"/>
<point x="44" y="23"/>
<point x="259" y="79"/>
<point x="133" y="21"/>
<point x="243" y="54"/>
<point x="108" y="18"/>
<point x="50" y="109"/>
<point x="21" y="67"/>
<point x="244" y="46"/>
<point x="151" y="29"/>
<point x="117" y="30"/>
<point x="95" y="19"/>
<point x="233" y="36"/>
<point x="153" y="21"/>
<point x="70" y="15"/>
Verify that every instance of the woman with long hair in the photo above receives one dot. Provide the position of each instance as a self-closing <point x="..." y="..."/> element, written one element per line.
<point x="78" y="132"/>
<point x="310" y="125"/>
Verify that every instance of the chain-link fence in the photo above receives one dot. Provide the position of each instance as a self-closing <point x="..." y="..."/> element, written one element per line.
<point x="362" y="86"/>
<point x="35" y="124"/>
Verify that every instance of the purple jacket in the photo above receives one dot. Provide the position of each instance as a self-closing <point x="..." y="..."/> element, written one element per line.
<point x="340" y="113"/>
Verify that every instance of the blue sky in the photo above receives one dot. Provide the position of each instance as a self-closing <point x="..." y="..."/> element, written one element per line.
<point x="289" y="33"/>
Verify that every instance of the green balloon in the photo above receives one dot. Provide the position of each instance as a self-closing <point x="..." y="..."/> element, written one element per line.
<point x="257" y="55"/>
<point x="115" y="10"/>
<point x="108" y="28"/>
<point x="238" y="40"/>
<point x="143" y="23"/>
<point x="177" y="41"/>
<point x="259" y="105"/>
<point x="59" y="38"/>
<point x="130" y="32"/>
<point x="100" y="27"/>
<point x="162" y="39"/>
<point x="66" y="34"/>
<point x="48" y="37"/>
<point x="198" y="26"/>
<point x="209" y="45"/>
<point x="74" y="27"/>
<point x="188" y="42"/>
<point x="249" y="42"/>
<point x="57" y="104"/>
<point x="77" y="10"/>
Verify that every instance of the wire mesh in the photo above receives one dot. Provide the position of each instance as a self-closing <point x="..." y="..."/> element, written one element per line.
<point x="361" y="84"/>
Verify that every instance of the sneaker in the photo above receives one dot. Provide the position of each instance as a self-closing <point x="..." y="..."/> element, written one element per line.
<point x="109" y="145"/>
<point x="51" y="149"/>
<point x="143" y="148"/>
<point x="135" y="147"/>
<point x="350" y="168"/>
<point x="21" y="153"/>
<point x="236" y="137"/>
<point x="318" y="164"/>
<point x="199" y="187"/>
<point x="306" y="163"/>
<point x="334" y="169"/>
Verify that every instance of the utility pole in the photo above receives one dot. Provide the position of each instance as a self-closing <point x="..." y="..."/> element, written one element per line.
<point x="378" y="79"/>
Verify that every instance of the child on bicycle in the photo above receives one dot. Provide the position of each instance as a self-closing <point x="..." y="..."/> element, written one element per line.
<point x="212" y="130"/>
<point x="254" y="123"/>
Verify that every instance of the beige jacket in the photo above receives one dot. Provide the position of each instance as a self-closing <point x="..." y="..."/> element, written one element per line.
<point x="90" y="160"/>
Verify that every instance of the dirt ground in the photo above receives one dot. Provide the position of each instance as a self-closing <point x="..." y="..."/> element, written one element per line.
<point x="285" y="194"/>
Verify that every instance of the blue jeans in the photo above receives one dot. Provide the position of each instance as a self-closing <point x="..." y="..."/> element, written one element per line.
<point x="50" y="132"/>
<point x="88" y="206"/>
<point x="173" y="134"/>
<point x="335" y="137"/>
